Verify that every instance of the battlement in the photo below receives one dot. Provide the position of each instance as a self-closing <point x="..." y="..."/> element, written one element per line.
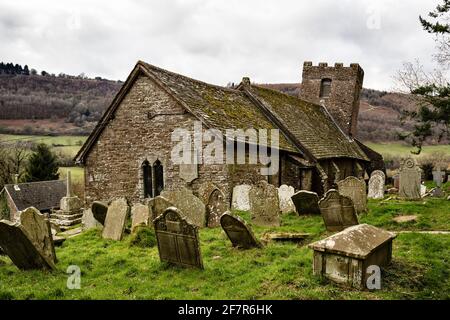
<point x="338" y="65"/>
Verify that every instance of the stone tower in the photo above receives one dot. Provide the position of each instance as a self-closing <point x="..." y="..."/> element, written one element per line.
<point x="337" y="88"/>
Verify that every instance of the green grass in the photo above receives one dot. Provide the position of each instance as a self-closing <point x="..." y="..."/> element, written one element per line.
<point x="398" y="149"/>
<point x="77" y="174"/>
<point x="117" y="270"/>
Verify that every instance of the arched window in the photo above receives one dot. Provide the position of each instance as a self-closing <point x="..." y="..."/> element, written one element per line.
<point x="147" y="175"/>
<point x="159" y="177"/>
<point x="325" y="88"/>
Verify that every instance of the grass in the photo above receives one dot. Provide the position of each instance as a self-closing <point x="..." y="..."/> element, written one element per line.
<point x="117" y="270"/>
<point x="77" y="174"/>
<point x="399" y="149"/>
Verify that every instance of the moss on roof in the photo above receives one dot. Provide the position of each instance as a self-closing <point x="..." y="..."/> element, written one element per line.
<point x="310" y="124"/>
<point x="220" y="108"/>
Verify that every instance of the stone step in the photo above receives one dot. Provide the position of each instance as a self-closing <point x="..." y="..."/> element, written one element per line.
<point x="56" y="216"/>
<point x="66" y="223"/>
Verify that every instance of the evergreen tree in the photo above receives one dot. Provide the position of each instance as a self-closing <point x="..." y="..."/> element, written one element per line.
<point x="42" y="165"/>
<point x="26" y="71"/>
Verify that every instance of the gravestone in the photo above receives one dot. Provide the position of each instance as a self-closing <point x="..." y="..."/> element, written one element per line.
<point x="355" y="189"/>
<point x="438" y="177"/>
<point x="191" y="206"/>
<point x="140" y="215"/>
<point x="376" y="185"/>
<point x="240" y="200"/>
<point x="306" y="202"/>
<point x="285" y="194"/>
<point x="116" y="218"/>
<point x="157" y="206"/>
<point x="264" y="204"/>
<point x="99" y="210"/>
<point x="338" y="211"/>
<point x="396" y="179"/>
<point x="423" y="190"/>
<point x="215" y="202"/>
<point x="178" y="241"/>
<point x="345" y="257"/>
<point x="188" y="172"/>
<point x="16" y="243"/>
<point x="410" y="178"/>
<point x="240" y="235"/>
<point x="39" y="231"/>
<point x="88" y="221"/>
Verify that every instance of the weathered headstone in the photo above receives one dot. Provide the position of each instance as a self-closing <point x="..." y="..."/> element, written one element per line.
<point x="376" y="185"/>
<point x="215" y="207"/>
<point x="355" y="189"/>
<point x="410" y="178"/>
<point x="240" y="200"/>
<point x="239" y="233"/>
<point x="178" y="241"/>
<point x="157" y="206"/>
<point x="115" y="220"/>
<point x="140" y="215"/>
<point x="264" y="204"/>
<point x="285" y="194"/>
<point x="438" y="177"/>
<point x="88" y="221"/>
<point x="396" y="179"/>
<point x="16" y="243"/>
<point x="39" y="231"/>
<point x="188" y="172"/>
<point x="338" y="211"/>
<point x="191" y="206"/>
<point x="215" y="202"/>
<point x="306" y="202"/>
<point x="345" y="257"/>
<point x="99" y="210"/>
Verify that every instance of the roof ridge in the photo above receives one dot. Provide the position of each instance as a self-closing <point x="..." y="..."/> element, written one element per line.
<point x="151" y="66"/>
<point x="44" y="181"/>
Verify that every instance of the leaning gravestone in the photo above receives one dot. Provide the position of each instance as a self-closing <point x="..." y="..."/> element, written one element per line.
<point x="39" y="231"/>
<point x="285" y="194"/>
<point x="264" y="204"/>
<point x="178" y="241"/>
<point x="115" y="220"/>
<point x="16" y="243"/>
<point x="376" y="185"/>
<point x="240" y="235"/>
<point x="191" y="206"/>
<point x="306" y="202"/>
<point x="88" y="221"/>
<point x="157" y="206"/>
<point x="140" y="215"/>
<point x="410" y="178"/>
<point x="99" y="210"/>
<point x="355" y="189"/>
<point x="338" y="211"/>
<point x="240" y="200"/>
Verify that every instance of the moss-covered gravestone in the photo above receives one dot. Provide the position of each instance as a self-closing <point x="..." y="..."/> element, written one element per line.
<point x="356" y="190"/>
<point x="306" y="202"/>
<point x="264" y="204"/>
<point x="338" y="211"/>
<point x="240" y="235"/>
<point x="116" y="218"/>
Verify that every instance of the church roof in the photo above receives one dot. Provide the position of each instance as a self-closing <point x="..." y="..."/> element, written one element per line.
<point x="43" y="195"/>
<point x="305" y="128"/>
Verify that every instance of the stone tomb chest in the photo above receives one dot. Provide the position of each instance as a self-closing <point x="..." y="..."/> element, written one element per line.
<point x="345" y="256"/>
<point x="178" y="241"/>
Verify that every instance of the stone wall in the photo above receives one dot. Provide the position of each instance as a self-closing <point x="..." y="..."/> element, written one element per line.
<point x="346" y="85"/>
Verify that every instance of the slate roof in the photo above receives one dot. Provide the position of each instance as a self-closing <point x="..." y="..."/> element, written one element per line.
<point x="43" y="195"/>
<point x="305" y="128"/>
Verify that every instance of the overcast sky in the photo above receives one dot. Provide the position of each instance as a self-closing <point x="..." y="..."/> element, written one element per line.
<point x="217" y="41"/>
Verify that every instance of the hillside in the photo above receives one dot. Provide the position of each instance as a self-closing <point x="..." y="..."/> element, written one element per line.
<point x="71" y="105"/>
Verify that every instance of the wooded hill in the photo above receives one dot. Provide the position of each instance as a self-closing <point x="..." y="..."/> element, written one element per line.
<point x="32" y="103"/>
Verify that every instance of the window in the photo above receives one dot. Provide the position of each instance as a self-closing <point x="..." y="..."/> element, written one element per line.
<point x="147" y="175"/>
<point x="325" y="88"/>
<point x="159" y="177"/>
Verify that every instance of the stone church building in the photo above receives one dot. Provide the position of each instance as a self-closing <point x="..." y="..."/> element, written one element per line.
<point x="129" y="152"/>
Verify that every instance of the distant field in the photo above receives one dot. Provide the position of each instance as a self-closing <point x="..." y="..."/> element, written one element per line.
<point x="398" y="149"/>
<point x="77" y="174"/>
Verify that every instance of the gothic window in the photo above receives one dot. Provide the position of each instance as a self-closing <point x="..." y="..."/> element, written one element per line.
<point x="159" y="177"/>
<point x="325" y="88"/>
<point x="147" y="175"/>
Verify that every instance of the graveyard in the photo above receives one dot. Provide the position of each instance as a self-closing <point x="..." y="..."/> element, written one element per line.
<point x="280" y="270"/>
